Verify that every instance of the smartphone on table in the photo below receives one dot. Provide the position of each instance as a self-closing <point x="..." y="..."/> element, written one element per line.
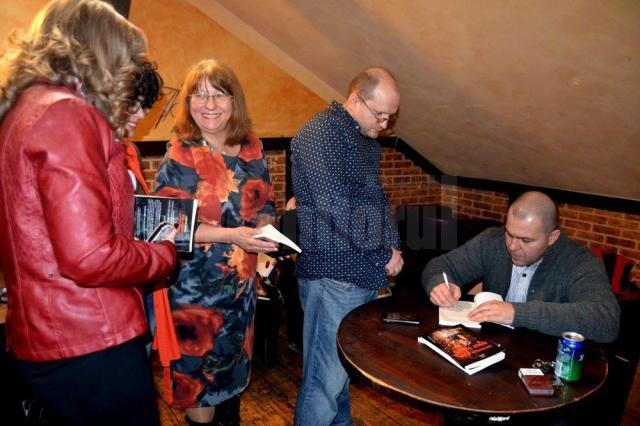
<point x="396" y="317"/>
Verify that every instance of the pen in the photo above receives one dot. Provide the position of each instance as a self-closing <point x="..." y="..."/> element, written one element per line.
<point x="446" y="281"/>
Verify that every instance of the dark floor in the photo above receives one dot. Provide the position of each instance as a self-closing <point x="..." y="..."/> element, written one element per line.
<point x="270" y="399"/>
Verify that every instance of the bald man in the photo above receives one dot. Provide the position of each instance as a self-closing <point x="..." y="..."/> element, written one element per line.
<point x="347" y="235"/>
<point x="549" y="282"/>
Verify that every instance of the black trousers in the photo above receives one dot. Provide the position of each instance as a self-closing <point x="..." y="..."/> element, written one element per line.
<point x="110" y="387"/>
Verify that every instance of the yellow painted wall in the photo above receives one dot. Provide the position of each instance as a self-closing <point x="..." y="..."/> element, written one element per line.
<point x="179" y="36"/>
<point x="16" y="14"/>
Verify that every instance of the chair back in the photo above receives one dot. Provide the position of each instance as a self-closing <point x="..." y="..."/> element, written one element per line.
<point x="618" y="269"/>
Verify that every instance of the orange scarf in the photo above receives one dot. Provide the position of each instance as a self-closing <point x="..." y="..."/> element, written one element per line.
<point x="164" y="338"/>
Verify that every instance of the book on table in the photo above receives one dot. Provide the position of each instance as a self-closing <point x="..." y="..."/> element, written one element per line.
<point x="463" y="348"/>
<point x="458" y="314"/>
<point x="285" y="245"/>
<point x="153" y="213"/>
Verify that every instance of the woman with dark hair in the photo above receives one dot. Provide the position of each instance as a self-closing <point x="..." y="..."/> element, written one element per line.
<point x="147" y="91"/>
<point x="148" y="86"/>
<point x="217" y="161"/>
<point x="70" y="263"/>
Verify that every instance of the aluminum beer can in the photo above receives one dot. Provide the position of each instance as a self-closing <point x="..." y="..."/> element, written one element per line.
<point x="570" y="356"/>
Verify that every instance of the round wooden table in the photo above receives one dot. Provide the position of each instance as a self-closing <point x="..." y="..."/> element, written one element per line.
<point x="390" y="358"/>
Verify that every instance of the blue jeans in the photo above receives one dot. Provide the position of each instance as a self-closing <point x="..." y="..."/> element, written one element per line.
<point x="324" y="395"/>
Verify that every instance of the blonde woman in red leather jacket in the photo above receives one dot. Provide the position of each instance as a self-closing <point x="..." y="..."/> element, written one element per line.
<point x="68" y="256"/>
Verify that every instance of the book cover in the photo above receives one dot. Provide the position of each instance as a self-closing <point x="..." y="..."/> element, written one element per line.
<point x="285" y="245"/>
<point x="536" y="382"/>
<point x="151" y="211"/>
<point x="463" y="348"/>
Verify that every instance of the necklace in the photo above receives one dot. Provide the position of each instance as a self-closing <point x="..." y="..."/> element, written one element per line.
<point x="226" y="150"/>
<point x="212" y="147"/>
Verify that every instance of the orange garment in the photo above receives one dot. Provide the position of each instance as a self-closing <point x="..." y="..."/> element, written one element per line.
<point x="164" y="338"/>
<point x="133" y="163"/>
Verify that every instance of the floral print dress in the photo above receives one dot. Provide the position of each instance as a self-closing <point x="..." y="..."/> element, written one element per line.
<point x="214" y="297"/>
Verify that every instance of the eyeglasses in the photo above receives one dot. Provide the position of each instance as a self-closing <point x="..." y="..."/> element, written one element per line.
<point x="380" y="117"/>
<point x="217" y="98"/>
<point x="133" y="109"/>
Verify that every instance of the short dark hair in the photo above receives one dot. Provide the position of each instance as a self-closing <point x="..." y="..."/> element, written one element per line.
<point x="148" y="85"/>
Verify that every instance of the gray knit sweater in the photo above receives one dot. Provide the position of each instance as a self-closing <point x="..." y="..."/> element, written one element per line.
<point x="569" y="291"/>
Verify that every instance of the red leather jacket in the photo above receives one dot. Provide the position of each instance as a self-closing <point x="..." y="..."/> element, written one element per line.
<point x="66" y="230"/>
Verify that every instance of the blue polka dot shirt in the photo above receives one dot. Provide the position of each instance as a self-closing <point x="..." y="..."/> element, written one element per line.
<point x="345" y="224"/>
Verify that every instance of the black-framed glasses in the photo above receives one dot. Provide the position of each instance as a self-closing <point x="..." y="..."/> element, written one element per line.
<point x="137" y="106"/>
<point x="133" y="109"/>
<point x="380" y="117"/>
<point x="202" y="98"/>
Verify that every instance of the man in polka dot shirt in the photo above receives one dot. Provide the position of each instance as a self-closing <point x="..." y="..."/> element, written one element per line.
<point x="348" y="239"/>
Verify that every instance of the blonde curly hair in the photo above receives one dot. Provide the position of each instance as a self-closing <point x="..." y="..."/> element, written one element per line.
<point x="77" y="42"/>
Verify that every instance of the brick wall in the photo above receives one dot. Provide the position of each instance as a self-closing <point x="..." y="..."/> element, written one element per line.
<point x="276" y="161"/>
<point x="474" y="203"/>
<point x="149" y="168"/>
<point x="611" y="231"/>
<point x="406" y="183"/>
<point x="403" y="181"/>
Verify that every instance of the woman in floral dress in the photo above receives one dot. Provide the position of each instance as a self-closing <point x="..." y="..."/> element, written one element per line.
<point x="217" y="161"/>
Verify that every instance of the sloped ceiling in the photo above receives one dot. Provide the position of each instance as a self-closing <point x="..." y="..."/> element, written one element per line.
<point x="543" y="93"/>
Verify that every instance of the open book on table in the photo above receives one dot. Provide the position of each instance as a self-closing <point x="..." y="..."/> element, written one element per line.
<point x="463" y="348"/>
<point x="458" y="314"/>
<point x="285" y="245"/>
<point x="153" y="213"/>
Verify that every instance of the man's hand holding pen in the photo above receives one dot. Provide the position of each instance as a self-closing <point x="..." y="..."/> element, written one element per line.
<point x="445" y="294"/>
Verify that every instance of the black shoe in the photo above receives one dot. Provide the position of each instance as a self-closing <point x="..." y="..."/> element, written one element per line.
<point x="228" y="412"/>
<point x="35" y="414"/>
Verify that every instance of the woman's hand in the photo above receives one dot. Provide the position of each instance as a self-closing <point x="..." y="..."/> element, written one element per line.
<point x="243" y="238"/>
<point x="171" y="235"/>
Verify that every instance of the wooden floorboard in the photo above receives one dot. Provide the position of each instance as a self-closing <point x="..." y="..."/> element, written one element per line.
<point x="270" y="399"/>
